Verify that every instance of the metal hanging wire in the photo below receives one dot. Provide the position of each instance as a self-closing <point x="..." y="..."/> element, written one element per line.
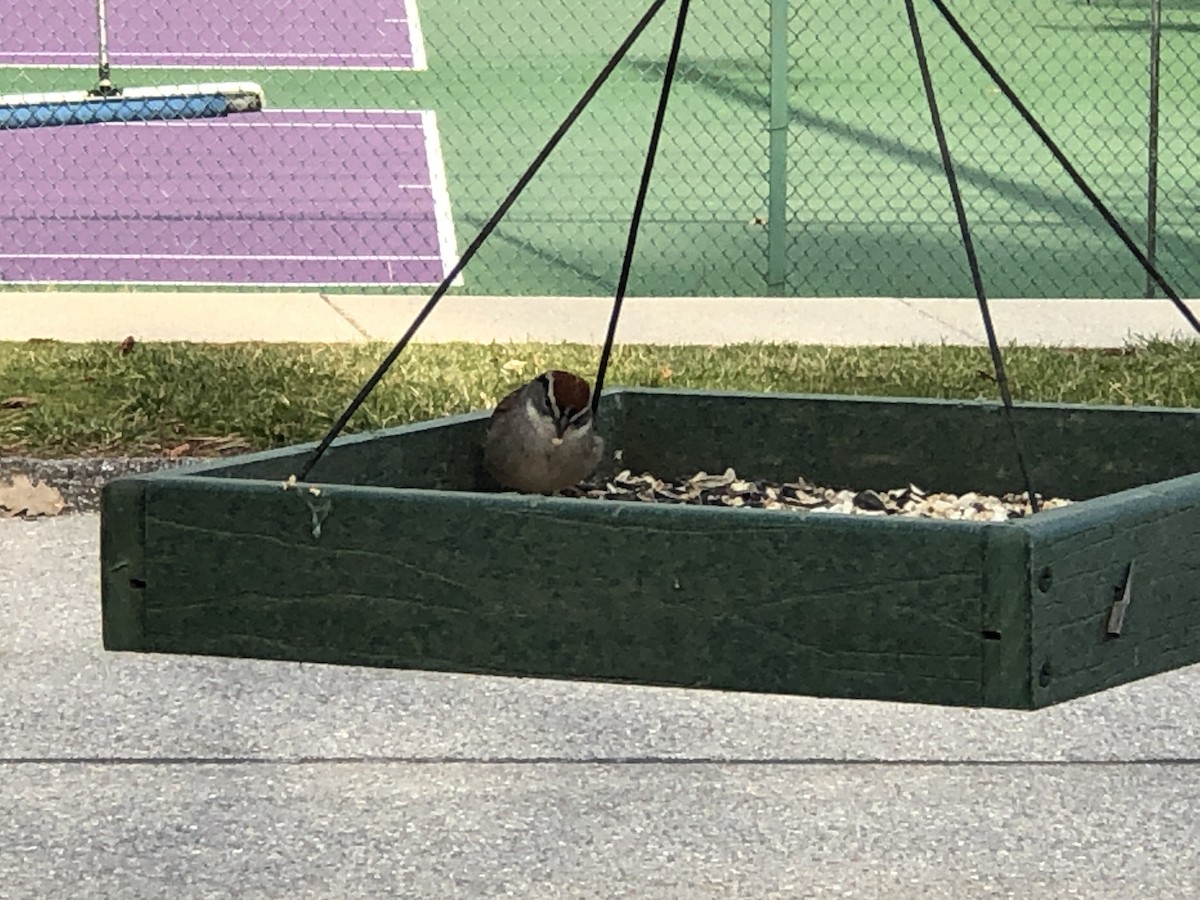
<point x="371" y="383"/>
<point x="964" y="228"/>
<point x="640" y="202"/>
<point x="1074" y="174"/>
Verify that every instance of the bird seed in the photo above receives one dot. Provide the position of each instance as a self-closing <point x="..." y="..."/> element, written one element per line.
<point x="728" y="489"/>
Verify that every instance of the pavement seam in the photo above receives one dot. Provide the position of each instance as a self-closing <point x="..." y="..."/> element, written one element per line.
<point x="789" y="762"/>
<point x="346" y="317"/>
<point x="925" y="314"/>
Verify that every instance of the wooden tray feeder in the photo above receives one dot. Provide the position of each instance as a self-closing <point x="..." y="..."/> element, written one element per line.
<point x="393" y="557"/>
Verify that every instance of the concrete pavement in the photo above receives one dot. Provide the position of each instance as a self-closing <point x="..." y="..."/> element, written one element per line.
<point x="152" y="776"/>
<point x="141" y="776"/>
<point x="223" y="316"/>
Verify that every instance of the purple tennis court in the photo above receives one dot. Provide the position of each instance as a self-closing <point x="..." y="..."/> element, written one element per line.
<point x="352" y="34"/>
<point x="280" y="198"/>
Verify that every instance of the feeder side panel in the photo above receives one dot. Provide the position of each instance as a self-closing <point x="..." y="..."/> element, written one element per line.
<point x="1004" y="627"/>
<point x="669" y="595"/>
<point x="122" y="571"/>
<point x="1080" y="562"/>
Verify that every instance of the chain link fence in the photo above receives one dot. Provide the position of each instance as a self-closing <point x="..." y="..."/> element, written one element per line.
<point x="869" y="211"/>
<point x="394" y="129"/>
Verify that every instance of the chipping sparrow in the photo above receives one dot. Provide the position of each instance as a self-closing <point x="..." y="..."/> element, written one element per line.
<point x="541" y="438"/>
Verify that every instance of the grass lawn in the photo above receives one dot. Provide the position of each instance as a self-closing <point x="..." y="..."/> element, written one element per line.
<point x="191" y="399"/>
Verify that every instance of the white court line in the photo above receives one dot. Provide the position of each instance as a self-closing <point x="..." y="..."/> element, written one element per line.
<point x="390" y="287"/>
<point x="305" y="257"/>
<point x="184" y="123"/>
<point x="232" y="67"/>
<point x="447" y="246"/>
<point x="419" y="62"/>
<point x="211" y="54"/>
<point x="374" y="110"/>
<point x="250" y="54"/>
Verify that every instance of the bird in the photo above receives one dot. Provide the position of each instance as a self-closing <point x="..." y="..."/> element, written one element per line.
<point x="541" y="438"/>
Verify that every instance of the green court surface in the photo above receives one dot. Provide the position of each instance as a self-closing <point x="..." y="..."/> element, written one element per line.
<point x="868" y="209"/>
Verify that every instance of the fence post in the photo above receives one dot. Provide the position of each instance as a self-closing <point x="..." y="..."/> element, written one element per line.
<point x="1152" y="140"/>
<point x="777" y="129"/>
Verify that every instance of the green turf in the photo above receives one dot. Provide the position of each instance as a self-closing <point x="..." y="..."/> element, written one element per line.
<point x="66" y="399"/>
<point x="868" y="209"/>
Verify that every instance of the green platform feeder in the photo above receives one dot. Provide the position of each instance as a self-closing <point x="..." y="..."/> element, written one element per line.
<point x="391" y="556"/>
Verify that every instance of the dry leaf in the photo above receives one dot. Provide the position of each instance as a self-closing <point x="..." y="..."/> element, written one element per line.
<point x="175" y="452"/>
<point x="665" y="372"/>
<point x="20" y="496"/>
<point x="17" y="403"/>
<point x="514" y="365"/>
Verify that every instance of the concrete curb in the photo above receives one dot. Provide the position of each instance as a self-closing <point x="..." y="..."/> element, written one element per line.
<point x="221" y="317"/>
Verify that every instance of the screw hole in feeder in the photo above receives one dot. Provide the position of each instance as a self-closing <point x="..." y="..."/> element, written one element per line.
<point x="1046" y="673"/>
<point x="1045" y="579"/>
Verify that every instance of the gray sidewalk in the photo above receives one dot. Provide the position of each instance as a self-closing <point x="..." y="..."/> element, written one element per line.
<point x="155" y="776"/>
<point x="224" y="317"/>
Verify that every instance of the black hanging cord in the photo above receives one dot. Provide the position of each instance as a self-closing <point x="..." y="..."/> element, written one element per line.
<point x="972" y="261"/>
<point x="640" y="202"/>
<point x="1050" y="145"/>
<point x="484" y="232"/>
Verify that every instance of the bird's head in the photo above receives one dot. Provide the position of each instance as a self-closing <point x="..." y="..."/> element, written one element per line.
<point x="568" y="402"/>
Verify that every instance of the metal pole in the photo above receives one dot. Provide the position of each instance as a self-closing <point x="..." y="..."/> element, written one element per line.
<point x="1152" y="161"/>
<point x="777" y="130"/>
<point x="105" y="87"/>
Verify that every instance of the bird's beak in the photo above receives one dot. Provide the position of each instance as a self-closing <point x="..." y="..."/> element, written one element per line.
<point x="560" y="428"/>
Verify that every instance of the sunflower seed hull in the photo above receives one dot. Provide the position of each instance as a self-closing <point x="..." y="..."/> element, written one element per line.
<point x="801" y="496"/>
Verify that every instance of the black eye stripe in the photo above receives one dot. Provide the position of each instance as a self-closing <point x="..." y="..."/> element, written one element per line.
<point x="551" y="400"/>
